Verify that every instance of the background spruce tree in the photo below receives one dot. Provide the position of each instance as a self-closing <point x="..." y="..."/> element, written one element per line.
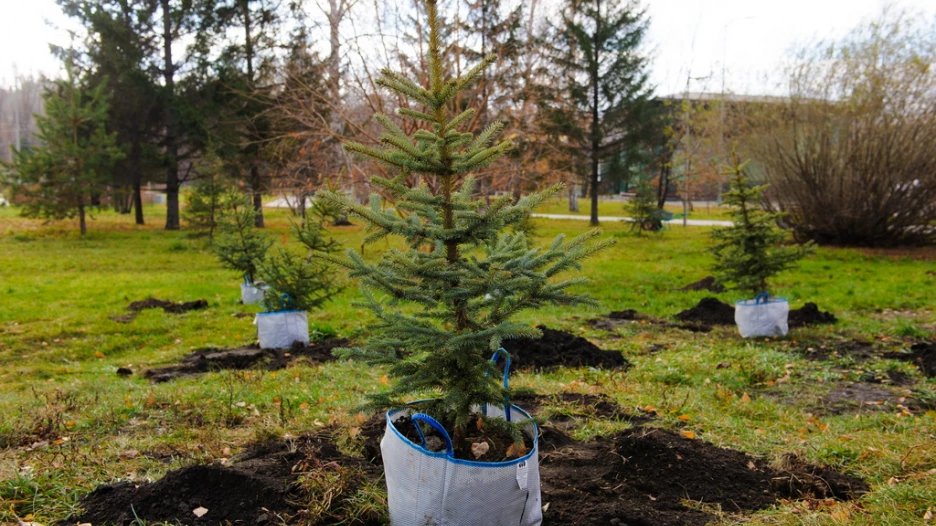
<point x="750" y="252"/>
<point x="642" y="208"/>
<point x="240" y="245"/>
<point x="445" y="304"/>
<point x="598" y="105"/>
<point x="66" y="173"/>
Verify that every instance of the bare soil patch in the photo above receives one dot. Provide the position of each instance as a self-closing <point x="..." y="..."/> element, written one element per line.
<point x="922" y="354"/>
<point x="561" y="349"/>
<point x="862" y="397"/>
<point x="615" y="319"/>
<point x="153" y="303"/>
<point x="639" y="476"/>
<point x="209" y="359"/>
<point x="261" y="487"/>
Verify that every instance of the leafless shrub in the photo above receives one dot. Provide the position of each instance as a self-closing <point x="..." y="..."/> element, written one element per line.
<point x="850" y="155"/>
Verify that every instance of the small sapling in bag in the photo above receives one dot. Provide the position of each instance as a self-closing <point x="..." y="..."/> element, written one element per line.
<point x="280" y="329"/>
<point x="762" y="316"/>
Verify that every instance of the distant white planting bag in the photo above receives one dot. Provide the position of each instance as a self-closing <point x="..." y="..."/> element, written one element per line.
<point x="762" y="316"/>
<point x="251" y="294"/>
<point x="278" y="330"/>
<point x="435" y="489"/>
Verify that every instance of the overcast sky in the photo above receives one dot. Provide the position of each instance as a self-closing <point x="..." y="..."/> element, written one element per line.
<point x="744" y="40"/>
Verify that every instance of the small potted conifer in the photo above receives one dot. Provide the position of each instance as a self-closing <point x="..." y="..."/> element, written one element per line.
<point x="240" y="245"/>
<point x="295" y="284"/>
<point x="443" y="307"/>
<point x="748" y="253"/>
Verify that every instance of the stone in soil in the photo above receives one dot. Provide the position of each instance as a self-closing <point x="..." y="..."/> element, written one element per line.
<point x="561" y="349"/>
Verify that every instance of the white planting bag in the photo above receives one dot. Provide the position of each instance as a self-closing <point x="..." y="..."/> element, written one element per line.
<point x="428" y="488"/>
<point x="251" y="294"/>
<point x="762" y="316"/>
<point x="434" y="489"/>
<point x="278" y="330"/>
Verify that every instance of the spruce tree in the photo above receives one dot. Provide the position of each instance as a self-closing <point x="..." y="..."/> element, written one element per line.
<point x="748" y="253"/>
<point x="602" y="109"/>
<point x="445" y="304"/>
<point x="61" y="177"/>
<point x="240" y="246"/>
<point x="642" y="208"/>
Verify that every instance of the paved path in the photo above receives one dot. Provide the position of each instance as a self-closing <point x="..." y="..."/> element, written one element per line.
<point x="689" y="222"/>
<point x="284" y="203"/>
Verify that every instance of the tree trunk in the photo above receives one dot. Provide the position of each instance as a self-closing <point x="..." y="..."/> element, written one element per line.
<point x="595" y="124"/>
<point x="81" y="218"/>
<point x="172" y="149"/>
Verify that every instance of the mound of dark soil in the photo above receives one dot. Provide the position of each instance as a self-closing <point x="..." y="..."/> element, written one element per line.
<point x="168" y="306"/>
<point x="642" y="476"/>
<point x="809" y="314"/>
<point x="707" y="283"/>
<point x="561" y="349"/>
<point x="922" y="354"/>
<point x="212" y="359"/>
<point x="709" y="311"/>
<point x="258" y="489"/>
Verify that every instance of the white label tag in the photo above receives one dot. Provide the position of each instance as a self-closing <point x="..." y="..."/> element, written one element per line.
<point x="522" y="475"/>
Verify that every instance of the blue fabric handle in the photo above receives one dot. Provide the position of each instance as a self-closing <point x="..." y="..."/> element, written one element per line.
<point x="422" y="417"/>
<point x="286" y="302"/>
<point x="502" y="352"/>
<point x="247" y="279"/>
<point x="763" y="297"/>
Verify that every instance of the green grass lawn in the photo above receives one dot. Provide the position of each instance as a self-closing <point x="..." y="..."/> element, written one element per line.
<point x="59" y="350"/>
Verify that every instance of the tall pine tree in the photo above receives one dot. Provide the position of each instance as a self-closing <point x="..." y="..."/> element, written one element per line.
<point x="462" y="278"/>
<point x="602" y="104"/>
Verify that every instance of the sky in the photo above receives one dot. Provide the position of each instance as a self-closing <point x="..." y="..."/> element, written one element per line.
<point x="744" y="42"/>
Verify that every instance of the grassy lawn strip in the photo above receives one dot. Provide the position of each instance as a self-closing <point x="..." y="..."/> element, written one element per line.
<point x="71" y="423"/>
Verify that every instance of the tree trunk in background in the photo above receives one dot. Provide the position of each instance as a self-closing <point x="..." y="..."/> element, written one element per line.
<point x="172" y="149"/>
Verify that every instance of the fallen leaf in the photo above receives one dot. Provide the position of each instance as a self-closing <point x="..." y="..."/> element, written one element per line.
<point x="99" y="354"/>
<point x="150" y="400"/>
<point x="129" y="454"/>
<point x="688" y="434"/>
<point x="226" y="451"/>
<point x="684" y="418"/>
<point x="199" y="511"/>
<point x="516" y="449"/>
<point x="928" y="516"/>
<point x="70" y="423"/>
<point x="384" y="380"/>
<point x="478" y="449"/>
<point x="746" y="398"/>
